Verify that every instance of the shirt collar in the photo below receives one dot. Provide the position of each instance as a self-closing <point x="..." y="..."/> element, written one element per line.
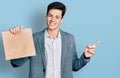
<point x="48" y="36"/>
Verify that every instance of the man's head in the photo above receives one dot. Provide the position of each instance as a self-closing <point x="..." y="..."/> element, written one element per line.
<point x="57" y="5"/>
<point x="54" y="15"/>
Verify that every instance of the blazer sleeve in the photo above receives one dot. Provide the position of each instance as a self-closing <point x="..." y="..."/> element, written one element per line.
<point x="77" y="63"/>
<point x="18" y="62"/>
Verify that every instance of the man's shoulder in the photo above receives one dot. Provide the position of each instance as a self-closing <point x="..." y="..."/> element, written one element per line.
<point x="64" y="33"/>
<point x="37" y="34"/>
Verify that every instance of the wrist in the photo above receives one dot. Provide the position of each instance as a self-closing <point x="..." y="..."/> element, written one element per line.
<point x="85" y="56"/>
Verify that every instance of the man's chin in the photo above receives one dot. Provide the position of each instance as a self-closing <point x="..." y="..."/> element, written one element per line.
<point x="51" y="28"/>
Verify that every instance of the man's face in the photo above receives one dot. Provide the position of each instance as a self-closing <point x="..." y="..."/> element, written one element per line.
<point x="54" y="19"/>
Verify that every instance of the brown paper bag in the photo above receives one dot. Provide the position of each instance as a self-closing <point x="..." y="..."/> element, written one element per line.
<point x="18" y="46"/>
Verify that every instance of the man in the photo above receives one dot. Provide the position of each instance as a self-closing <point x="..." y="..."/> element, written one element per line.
<point x="56" y="55"/>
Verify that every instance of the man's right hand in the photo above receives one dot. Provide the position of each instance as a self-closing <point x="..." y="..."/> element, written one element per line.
<point x="16" y="30"/>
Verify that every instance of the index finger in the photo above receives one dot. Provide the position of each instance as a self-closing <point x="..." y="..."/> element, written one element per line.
<point x="96" y="43"/>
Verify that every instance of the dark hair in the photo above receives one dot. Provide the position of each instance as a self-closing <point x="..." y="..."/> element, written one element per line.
<point x="57" y="5"/>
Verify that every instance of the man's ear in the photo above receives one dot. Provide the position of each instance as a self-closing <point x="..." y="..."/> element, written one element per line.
<point x="61" y="20"/>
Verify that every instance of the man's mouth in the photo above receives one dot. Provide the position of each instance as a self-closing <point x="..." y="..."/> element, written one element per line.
<point x="52" y="23"/>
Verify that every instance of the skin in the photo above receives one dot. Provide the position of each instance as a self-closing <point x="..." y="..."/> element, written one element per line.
<point x="54" y="19"/>
<point x="90" y="49"/>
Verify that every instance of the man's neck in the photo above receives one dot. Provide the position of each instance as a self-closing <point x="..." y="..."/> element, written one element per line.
<point x="53" y="33"/>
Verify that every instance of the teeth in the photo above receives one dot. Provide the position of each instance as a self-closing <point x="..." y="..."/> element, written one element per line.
<point x="52" y="23"/>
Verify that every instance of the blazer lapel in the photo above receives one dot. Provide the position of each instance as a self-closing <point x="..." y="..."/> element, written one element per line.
<point x="42" y="47"/>
<point x="63" y="53"/>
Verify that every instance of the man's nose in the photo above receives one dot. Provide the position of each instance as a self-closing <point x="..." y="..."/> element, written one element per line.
<point x="53" y="19"/>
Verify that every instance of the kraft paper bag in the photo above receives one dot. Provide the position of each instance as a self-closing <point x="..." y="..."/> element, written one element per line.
<point x="18" y="46"/>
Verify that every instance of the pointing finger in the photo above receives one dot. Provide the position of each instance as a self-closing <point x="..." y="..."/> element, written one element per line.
<point x="96" y="43"/>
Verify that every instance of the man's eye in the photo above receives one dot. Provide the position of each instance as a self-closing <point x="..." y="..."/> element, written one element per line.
<point x="49" y="15"/>
<point x="57" y="17"/>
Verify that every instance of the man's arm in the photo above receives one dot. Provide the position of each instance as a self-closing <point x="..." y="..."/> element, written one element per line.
<point x="18" y="62"/>
<point x="78" y="63"/>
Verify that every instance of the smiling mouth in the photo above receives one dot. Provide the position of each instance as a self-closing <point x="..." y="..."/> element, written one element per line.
<point x="52" y="23"/>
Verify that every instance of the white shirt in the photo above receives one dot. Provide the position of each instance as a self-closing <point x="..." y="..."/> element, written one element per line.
<point x="53" y="56"/>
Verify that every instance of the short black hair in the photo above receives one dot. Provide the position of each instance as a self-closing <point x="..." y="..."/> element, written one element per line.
<point x="57" y="5"/>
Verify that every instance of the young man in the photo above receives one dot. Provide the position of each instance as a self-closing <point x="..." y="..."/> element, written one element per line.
<point x="56" y="55"/>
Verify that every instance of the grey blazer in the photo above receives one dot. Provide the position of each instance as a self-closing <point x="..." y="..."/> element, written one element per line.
<point x="69" y="60"/>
